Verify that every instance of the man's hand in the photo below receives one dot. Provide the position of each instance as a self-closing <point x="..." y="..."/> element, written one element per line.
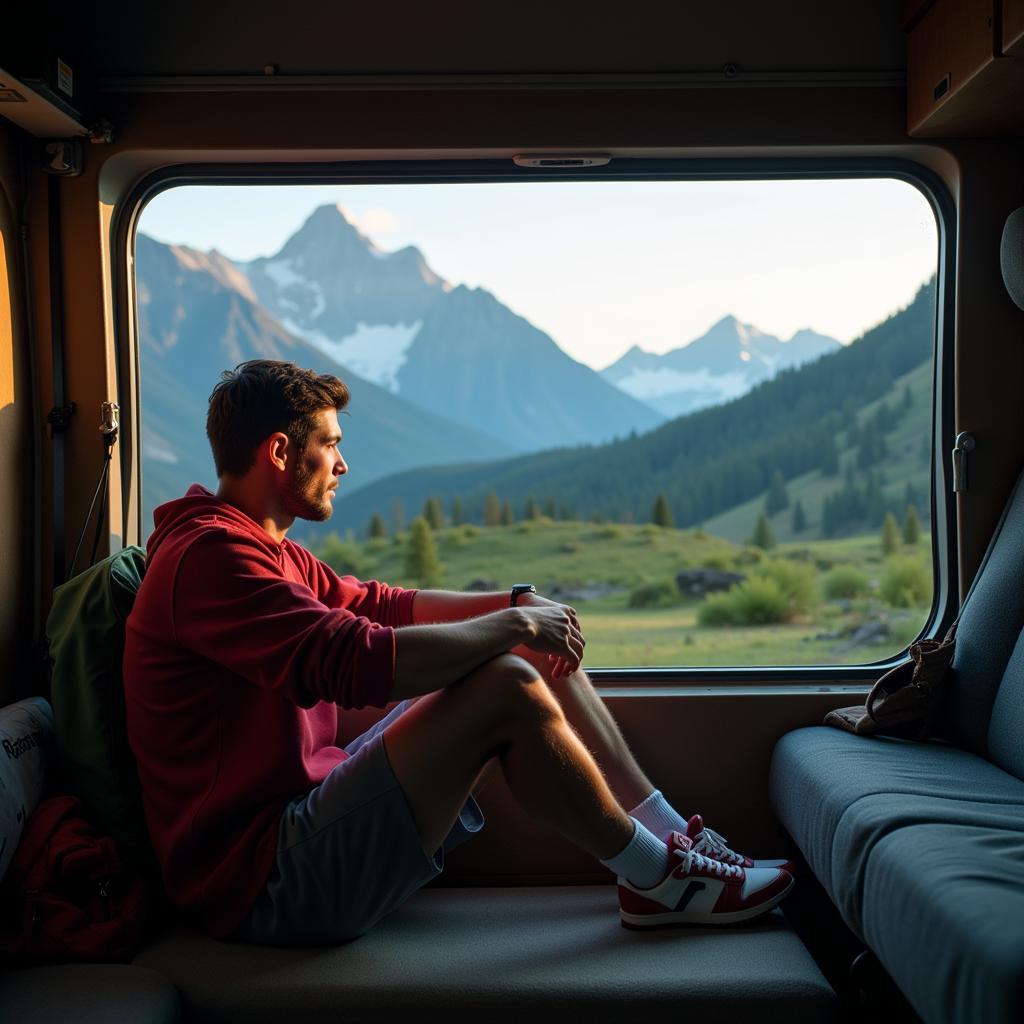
<point x="558" y="634"/>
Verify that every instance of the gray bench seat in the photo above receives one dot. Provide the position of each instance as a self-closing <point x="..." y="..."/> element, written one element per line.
<point x="943" y="910"/>
<point x="837" y="795"/>
<point x="921" y="848"/>
<point x="504" y="954"/>
<point x="87" y="994"/>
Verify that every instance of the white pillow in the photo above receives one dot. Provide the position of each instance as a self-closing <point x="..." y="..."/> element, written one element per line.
<point x="26" y="733"/>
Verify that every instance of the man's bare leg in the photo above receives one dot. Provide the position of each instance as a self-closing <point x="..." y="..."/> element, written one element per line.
<point x="504" y="709"/>
<point x="593" y="722"/>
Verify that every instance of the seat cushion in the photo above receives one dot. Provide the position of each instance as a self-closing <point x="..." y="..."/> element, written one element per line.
<point x="838" y="794"/>
<point x="944" y="911"/>
<point x="88" y="994"/>
<point x="497" y="954"/>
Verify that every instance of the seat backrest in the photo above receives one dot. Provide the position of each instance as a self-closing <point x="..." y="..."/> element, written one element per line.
<point x="1006" y="726"/>
<point x="985" y="709"/>
<point x="988" y="634"/>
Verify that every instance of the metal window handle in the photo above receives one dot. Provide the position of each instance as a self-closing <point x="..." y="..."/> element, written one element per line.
<point x="964" y="443"/>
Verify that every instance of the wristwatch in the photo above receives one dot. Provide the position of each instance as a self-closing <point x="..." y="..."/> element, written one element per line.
<point x="519" y="589"/>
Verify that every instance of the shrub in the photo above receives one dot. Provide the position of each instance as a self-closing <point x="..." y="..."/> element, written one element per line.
<point x="662" y="594"/>
<point x="845" y="582"/>
<point x="571" y="547"/>
<point x="717" y="560"/>
<point x="907" y="583"/>
<point x="756" y="601"/>
<point x="750" y="556"/>
<point x="469" y="531"/>
<point x="794" y="581"/>
<point x="609" y="532"/>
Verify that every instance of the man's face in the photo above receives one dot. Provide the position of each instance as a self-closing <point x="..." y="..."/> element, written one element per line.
<point x="314" y="479"/>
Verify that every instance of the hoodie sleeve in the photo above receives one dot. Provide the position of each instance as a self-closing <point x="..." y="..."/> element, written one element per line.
<point x="232" y="605"/>
<point x="383" y="604"/>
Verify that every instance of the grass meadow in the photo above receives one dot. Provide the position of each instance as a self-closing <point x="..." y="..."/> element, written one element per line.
<point x="839" y="601"/>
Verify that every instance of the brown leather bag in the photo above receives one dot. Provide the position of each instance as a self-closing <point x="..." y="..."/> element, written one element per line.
<point x="906" y="700"/>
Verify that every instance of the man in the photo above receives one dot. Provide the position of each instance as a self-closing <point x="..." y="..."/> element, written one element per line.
<point x="241" y="647"/>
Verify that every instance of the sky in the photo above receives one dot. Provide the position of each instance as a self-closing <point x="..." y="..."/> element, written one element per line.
<point x="601" y="266"/>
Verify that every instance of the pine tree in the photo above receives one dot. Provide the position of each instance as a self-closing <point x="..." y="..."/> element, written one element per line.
<point x="908" y="398"/>
<point x="378" y="528"/>
<point x="433" y="513"/>
<point x="778" y="497"/>
<point x="799" y="517"/>
<point x="549" y="508"/>
<point x="531" y="510"/>
<point x="661" y="514"/>
<point x="507" y="518"/>
<point x="456" y="511"/>
<point x="421" y="561"/>
<point x="911" y="526"/>
<point x="492" y="509"/>
<point x="763" y="537"/>
<point x="397" y="516"/>
<point x="890" y="535"/>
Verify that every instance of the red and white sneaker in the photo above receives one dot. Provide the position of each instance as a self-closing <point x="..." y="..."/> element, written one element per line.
<point x="698" y="890"/>
<point x="709" y="843"/>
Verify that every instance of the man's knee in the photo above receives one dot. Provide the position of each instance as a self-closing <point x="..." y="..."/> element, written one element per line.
<point x="511" y="687"/>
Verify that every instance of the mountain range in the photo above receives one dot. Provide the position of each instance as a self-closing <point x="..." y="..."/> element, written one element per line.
<point x="713" y="460"/>
<point x="439" y="374"/>
<point x="454" y="351"/>
<point x="720" y="365"/>
<point x="198" y="316"/>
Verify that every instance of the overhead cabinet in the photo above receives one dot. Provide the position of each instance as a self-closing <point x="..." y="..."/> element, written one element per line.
<point x="965" y="68"/>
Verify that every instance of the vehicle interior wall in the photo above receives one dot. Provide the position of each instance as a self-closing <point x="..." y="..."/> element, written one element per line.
<point x="181" y="121"/>
<point x="17" y="440"/>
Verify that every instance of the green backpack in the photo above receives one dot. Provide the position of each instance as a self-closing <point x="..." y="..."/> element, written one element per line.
<point x="85" y="633"/>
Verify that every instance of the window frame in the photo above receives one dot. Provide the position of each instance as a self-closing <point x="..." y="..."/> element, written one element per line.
<point x="853" y="678"/>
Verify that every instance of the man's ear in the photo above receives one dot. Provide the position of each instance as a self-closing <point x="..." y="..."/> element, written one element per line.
<point x="278" y="448"/>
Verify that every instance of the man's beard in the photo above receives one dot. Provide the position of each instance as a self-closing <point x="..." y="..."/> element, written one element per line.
<point x="305" y="500"/>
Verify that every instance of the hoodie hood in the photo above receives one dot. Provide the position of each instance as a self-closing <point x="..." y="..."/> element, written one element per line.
<point x="198" y="510"/>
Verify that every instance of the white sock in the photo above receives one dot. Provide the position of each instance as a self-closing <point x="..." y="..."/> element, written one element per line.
<point x="659" y="816"/>
<point x="643" y="862"/>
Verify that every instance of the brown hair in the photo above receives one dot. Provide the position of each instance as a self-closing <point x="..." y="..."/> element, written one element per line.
<point x="260" y="398"/>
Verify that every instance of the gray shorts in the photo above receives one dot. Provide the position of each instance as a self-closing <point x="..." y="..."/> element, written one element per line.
<point x="348" y="852"/>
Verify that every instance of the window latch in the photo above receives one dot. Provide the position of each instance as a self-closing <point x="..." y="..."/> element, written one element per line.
<point x="964" y="443"/>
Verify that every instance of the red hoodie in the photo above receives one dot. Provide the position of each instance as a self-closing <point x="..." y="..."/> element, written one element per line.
<point x="237" y="654"/>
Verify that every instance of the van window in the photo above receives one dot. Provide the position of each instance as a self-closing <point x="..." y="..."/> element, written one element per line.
<point x="699" y="411"/>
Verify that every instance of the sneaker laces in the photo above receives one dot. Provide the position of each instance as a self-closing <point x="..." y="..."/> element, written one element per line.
<point x="692" y="859"/>
<point x="712" y="845"/>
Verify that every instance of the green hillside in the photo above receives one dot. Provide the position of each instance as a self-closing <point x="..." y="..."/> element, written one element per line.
<point x="719" y="458"/>
<point x="907" y="463"/>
